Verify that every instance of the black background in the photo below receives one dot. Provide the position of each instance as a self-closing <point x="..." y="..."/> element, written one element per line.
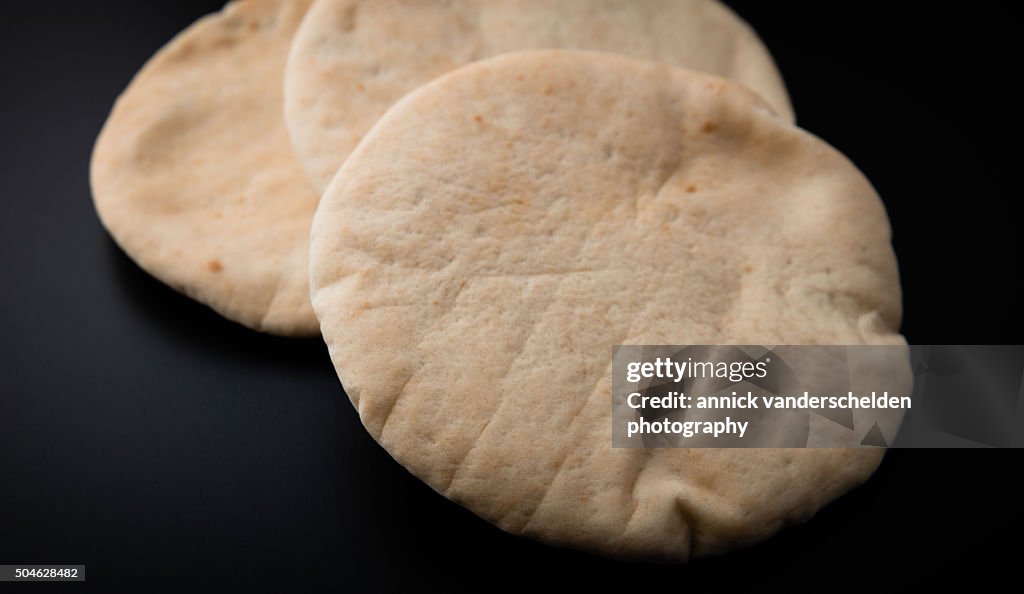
<point x="143" y="435"/>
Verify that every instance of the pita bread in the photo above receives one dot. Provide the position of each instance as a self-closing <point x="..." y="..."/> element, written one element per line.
<point x="194" y="175"/>
<point x="352" y="59"/>
<point x="502" y="227"/>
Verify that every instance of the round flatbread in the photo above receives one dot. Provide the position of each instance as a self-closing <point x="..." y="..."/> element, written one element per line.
<point x="194" y="174"/>
<point x="502" y="227"/>
<point x="352" y="59"/>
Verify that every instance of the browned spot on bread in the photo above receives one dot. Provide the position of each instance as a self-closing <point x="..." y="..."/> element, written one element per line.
<point x="748" y="268"/>
<point x="478" y="119"/>
<point x="709" y="126"/>
<point x="691" y="188"/>
<point x="215" y="266"/>
<point x="348" y="18"/>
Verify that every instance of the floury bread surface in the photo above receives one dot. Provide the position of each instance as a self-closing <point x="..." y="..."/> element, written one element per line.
<point x="353" y="58"/>
<point x="503" y="226"/>
<point x="194" y="174"/>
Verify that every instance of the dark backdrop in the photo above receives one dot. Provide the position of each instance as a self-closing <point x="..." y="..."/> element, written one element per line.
<point x="148" y="438"/>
